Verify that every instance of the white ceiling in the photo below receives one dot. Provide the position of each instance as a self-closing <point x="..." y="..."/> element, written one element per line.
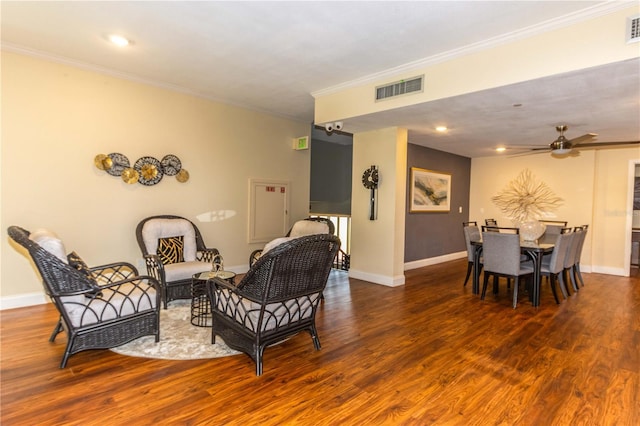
<point x="270" y="56"/>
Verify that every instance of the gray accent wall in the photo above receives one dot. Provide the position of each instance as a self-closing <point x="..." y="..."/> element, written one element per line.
<point x="430" y="235"/>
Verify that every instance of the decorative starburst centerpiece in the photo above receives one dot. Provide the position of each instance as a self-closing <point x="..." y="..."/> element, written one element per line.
<point x="526" y="199"/>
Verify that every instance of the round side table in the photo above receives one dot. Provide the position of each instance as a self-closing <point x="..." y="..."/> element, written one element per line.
<point x="200" y="305"/>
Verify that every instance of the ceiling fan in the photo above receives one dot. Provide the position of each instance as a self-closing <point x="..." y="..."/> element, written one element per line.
<point x="564" y="146"/>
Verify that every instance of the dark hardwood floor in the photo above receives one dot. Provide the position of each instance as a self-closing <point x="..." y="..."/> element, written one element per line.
<point x="427" y="353"/>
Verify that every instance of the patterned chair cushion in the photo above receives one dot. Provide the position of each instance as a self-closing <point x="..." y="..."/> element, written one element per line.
<point x="76" y="262"/>
<point x="155" y="229"/>
<point x="171" y="249"/>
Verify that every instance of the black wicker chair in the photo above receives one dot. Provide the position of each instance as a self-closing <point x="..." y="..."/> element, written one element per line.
<point x="100" y="307"/>
<point x="277" y="298"/>
<point x="174" y="278"/>
<point x="300" y="229"/>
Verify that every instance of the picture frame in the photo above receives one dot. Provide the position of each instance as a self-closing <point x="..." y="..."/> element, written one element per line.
<point x="430" y="191"/>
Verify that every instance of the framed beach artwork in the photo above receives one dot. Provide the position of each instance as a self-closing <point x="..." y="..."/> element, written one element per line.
<point x="430" y="191"/>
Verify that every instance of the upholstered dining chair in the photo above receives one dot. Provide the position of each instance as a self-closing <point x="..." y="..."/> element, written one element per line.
<point x="553" y="264"/>
<point x="552" y="230"/>
<point x="100" y="307"/>
<point x="501" y="258"/>
<point x="308" y="226"/>
<point x="491" y="222"/>
<point x="471" y="233"/>
<point x="277" y="298"/>
<point x="174" y="250"/>
<point x="576" y="265"/>
<point x="572" y="260"/>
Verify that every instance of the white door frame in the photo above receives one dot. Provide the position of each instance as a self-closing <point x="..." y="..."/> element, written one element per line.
<point x="629" y="225"/>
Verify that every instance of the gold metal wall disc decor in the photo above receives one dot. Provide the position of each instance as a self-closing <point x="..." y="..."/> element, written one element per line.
<point x="146" y="170"/>
<point x="119" y="163"/>
<point x="149" y="170"/>
<point x="102" y="162"/>
<point x="129" y="175"/>
<point x="182" y="176"/>
<point x="171" y="165"/>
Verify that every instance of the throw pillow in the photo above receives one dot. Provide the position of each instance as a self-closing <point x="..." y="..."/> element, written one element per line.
<point x="50" y="242"/>
<point x="171" y="250"/>
<point x="75" y="261"/>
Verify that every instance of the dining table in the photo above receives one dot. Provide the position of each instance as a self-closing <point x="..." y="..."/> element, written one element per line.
<point x="532" y="249"/>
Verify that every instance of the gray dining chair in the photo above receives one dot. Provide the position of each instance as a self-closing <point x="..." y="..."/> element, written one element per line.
<point x="552" y="230"/>
<point x="571" y="268"/>
<point x="576" y="265"/>
<point x="501" y="258"/>
<point x="471" y="233"/>
<point x="553" y="264"/>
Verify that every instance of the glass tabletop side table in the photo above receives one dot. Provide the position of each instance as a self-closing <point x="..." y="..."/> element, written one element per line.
<point x="200" y="305"/>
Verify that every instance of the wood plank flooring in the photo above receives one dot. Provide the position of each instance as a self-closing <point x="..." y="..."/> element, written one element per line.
<point x="427" y="353"/>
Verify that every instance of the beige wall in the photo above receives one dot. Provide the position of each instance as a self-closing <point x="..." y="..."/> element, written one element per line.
<point x="594" y="186"/>
<point x="377" y="246"/>
<point x="56" y="118"/>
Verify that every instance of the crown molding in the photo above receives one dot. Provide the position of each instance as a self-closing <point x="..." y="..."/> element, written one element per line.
<point x="21" y="50"/>
<point x="549" y="25"/>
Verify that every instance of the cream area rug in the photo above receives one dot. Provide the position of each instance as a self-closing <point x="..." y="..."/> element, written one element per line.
<point x="179" y="339"/>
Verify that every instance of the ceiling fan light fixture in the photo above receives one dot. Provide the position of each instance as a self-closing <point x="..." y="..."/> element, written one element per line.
<point x="561" y="151"/>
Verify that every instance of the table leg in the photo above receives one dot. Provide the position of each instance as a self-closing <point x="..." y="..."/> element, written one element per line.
<point x="476" y="269"/>
<point x="537" y="266"/>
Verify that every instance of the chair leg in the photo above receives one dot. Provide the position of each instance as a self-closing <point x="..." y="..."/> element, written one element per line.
<point x="484" y="285"/>
<point x="495" y="284"/>
<point x="469" y="268"/>
<point x="57" y="329"/>
<point x="572" y="277"/>
<point x="578" y="273"/>
<point x="567" y="277"/>
<point x="516" y="284"/>
<point x="563" y="286"/>
<point x="259" y="353"/>
<point x="314" y="337"/>
<point x="552" y="282"/>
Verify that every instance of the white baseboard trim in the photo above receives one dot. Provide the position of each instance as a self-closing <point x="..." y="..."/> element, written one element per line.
<point x="377" y="279"/>
<point x="605" y="270"/>
<point x="434" y="260"/>
<point x="22" y="300"/>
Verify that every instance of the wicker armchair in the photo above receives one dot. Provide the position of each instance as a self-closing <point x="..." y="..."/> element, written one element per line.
<point x="174" y="277"/>
<point x="100" y="307"/>
<point x="277" y="298"/>
<point x="308" y="226"/>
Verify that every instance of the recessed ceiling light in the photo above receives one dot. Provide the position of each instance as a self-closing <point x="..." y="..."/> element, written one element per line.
<point x="118" y="40"/>
<point x="501" y="149"/>
<point x="441" y="128"/>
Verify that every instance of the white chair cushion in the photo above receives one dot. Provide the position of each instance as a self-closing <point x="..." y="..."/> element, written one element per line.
<point x="165" y="228"/>
<point x="275" y="243"/>
<point x="50" y="242"/>
<point x="184" y="270"/>
<point x="247" y="312"/>
<point x="108" y="306"/>
<point x="308" y="227"/>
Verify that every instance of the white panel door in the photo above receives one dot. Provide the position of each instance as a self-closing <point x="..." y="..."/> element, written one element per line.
<point x="268" y="210"/>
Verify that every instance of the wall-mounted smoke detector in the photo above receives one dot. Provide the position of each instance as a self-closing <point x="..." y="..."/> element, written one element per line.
<point x="402" y="87"/>
<point x="633" y="29"/>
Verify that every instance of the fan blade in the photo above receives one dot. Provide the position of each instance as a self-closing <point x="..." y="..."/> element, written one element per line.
<point x="576" y="141"/>
<point x="610" y="144"/>
<point x="531" y="152"/>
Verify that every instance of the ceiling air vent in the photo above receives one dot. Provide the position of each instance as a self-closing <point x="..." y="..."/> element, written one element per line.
<point x="633" y="29"/>
<point x="402" y="87"/>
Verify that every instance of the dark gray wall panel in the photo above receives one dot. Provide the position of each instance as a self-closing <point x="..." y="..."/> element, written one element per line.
<point x="430" y="235"/>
